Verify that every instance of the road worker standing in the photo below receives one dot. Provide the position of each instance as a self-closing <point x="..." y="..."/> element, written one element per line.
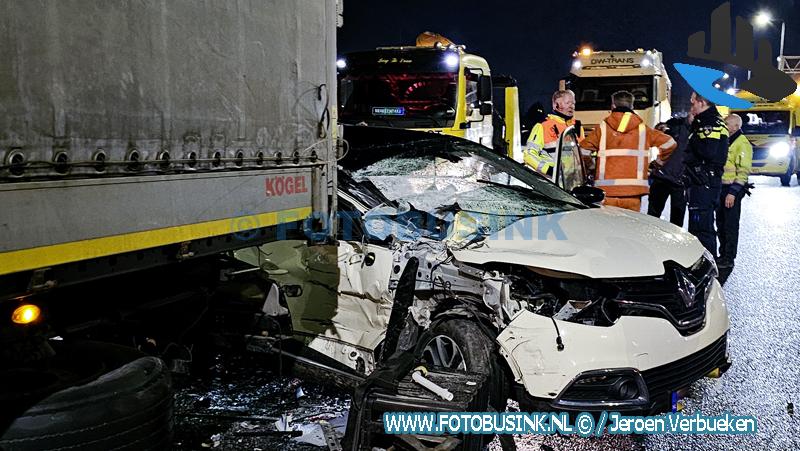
<point x="540" y="149"/>
<point x="622" y="142"/>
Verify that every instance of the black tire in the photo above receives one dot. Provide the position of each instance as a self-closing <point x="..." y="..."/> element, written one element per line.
<point x="479" y="355"/>
<point x="786" y="179"/>
<point x="118" y="399"/>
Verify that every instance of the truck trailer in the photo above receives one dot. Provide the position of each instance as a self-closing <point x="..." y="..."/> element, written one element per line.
<point x="141" y="143"/>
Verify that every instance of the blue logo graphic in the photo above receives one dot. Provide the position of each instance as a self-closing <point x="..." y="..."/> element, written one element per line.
<point x="701" y="79"/>
<point x="766" y="81"/>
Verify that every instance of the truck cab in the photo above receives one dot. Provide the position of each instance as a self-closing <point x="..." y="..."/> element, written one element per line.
<point x="595" y="75"/>
<point x="772" y="128"/>
<point x="434" y="86"/>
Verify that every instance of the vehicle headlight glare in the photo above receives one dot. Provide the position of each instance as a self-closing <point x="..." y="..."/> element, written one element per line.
<point x="451" y="60"/>
<point x="779" y="150"/>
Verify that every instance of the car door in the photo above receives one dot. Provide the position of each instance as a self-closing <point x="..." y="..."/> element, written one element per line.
<point x="569" y="172"/>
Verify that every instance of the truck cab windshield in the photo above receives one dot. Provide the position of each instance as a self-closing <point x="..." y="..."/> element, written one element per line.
<point x="594" y="93"/>
<point x="764" y="122"/>
<point x="399" y="88"/>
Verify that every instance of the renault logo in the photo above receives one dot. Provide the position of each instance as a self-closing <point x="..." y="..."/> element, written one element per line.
<point x="686" y="288"/>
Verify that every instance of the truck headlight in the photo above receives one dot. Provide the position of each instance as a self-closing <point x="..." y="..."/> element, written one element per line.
<point x="779" y="150"/>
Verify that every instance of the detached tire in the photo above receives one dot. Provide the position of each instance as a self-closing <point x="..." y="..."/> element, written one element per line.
<point x="128" y="405"/>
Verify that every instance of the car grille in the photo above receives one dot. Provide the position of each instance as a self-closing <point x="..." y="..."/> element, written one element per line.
<point x="659" y="381"/>
<point x="661" y="297"/>
<point x="682" y="373"/>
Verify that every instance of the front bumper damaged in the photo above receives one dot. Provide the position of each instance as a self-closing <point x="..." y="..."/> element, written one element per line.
<point x="633" y="366"/>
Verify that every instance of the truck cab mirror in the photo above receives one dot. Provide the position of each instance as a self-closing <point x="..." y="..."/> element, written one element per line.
<point x="485" y="89"/>
<point x="486" y="109"/>
<point x="588" y="195"/>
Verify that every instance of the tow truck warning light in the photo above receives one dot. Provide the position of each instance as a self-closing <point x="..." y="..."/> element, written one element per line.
<point x="388" y="111"/>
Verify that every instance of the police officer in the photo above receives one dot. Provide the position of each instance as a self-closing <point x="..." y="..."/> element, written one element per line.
<point x="705" y="159"/>
<point x="667" y="180"/>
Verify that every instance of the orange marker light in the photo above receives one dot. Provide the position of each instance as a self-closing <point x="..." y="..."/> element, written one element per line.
<point x="26" y="314"/>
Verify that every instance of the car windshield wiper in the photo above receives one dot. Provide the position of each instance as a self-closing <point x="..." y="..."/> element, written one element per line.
<point x="530" y="192"/>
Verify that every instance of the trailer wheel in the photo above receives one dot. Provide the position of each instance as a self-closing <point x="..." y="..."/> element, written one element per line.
<point x="106" y="397"/>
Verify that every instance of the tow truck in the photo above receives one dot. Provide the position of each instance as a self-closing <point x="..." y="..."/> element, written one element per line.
<point x="433" y="86"/>
<point x="773" y="128"/>
<point x="595" y="75"/>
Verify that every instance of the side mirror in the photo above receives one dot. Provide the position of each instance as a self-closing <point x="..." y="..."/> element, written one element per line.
<point x="485" y="88"/>
<point x="588" y="195"/>
<point x="486" y="109"/>
<point x="796" y="132"/>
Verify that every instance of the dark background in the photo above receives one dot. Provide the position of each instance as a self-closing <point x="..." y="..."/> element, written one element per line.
<point x="533" y="41"/>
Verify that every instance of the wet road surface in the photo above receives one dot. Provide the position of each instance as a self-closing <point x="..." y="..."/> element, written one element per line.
<point x="764" y="379"/>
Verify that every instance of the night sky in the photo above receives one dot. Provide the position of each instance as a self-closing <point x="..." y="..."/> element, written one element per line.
<point x="534" y="41"/>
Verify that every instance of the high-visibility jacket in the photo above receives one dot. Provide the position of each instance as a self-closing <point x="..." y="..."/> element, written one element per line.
<point x="544" y="135"/>
<point x="543" y="141"/>
<point x="740" y="162"/>
<point x="539" y="160"/>
<point x="622" y="142"/>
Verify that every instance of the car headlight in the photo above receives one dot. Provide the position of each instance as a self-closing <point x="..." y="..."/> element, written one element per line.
<point x="708" y="256"/>
<point x="779" y="150"/>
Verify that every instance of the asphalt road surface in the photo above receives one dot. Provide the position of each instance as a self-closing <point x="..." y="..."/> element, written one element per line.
<point x="764" y="380"/>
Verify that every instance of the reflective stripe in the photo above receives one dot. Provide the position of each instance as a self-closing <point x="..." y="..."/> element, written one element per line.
<point x="625" y="153"/>
<point x="601" y="153"/>
<point x="640" y="162"/>
<point x="551" y="144"/>
<point x="625" y="182"/>
<point x="667" y="144"/>
<point x="626" y="117"/>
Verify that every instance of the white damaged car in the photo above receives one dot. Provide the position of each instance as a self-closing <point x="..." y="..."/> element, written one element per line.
<point x="567" y="306"/>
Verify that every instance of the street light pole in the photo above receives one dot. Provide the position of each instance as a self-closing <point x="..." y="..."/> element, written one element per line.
<point x="780" y="54"/>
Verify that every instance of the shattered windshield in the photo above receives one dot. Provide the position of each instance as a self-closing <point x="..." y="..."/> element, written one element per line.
<point x="460" y="183"/>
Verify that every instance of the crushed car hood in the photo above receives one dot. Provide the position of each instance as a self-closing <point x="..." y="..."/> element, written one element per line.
<point x="603" y="242"/>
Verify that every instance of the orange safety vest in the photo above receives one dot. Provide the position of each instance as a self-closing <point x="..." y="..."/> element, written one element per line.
<point x="623" y="172"/>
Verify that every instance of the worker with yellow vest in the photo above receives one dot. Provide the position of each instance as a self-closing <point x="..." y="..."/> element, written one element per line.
<point x="622" y="142"/>
<point x="540" y="149"/>
<point x="734" y="185"/>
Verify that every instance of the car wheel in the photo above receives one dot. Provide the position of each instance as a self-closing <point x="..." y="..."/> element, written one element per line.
<point x="786" y="179"/>
<point x="89" y="396"/>
<point x="461" y="344"/>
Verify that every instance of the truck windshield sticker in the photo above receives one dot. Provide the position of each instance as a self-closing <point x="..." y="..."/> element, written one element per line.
<point x="388" y="111"/>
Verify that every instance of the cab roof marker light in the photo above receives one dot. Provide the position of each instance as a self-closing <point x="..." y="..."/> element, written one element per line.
<point x="576" y="64"/>
<point x="451" y="60"/>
